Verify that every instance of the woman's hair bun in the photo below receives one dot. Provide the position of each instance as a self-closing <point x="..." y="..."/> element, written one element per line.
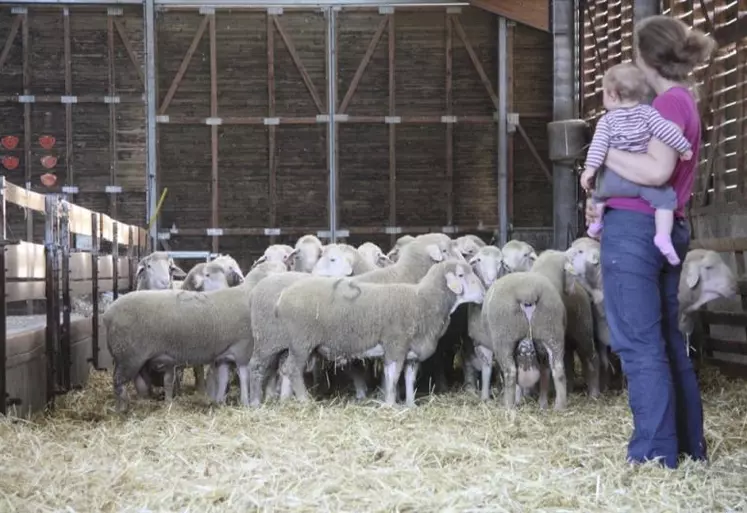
<point x="696" y="48"/>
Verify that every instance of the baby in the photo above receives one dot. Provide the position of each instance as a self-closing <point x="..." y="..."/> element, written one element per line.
<point x="629" y="125"/>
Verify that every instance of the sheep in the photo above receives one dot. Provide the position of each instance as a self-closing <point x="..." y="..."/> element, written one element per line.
<point x="394" y="253"/>
<point x="341" y="260"/>
<point x="525" y="305"/>
<point x="580" y="320"/>
<point x="400" y="322"/>
<point x="156" y="271"/>
<point x="518" y="255"/>
<point x="195" y="281"/>
<point x="477" y="352"/>
<point x="528" y="368"/>
<point x="305" y="255"/>
<point x="165" y="328"/>
<point x="469" y="245"/>
<point x="374" y="255"/>
<point x="275" y="253"/>
<point x="704" y="277"/>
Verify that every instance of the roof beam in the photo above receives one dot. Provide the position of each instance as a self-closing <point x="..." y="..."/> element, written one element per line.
<point x="535" y="13"/>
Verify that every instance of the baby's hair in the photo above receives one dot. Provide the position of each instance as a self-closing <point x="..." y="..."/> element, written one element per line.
<point x="627" y="81"/>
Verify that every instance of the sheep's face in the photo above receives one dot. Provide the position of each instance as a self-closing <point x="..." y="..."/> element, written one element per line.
<point x="463" y="282"/>
<point x="403" y="241"/>
<point x="232" y="270"/>
<point x="373" y="254"/>
<point x="706" y="275"/>
<point x="335" y="261"/>
<point x="582" y="260"/>
<point x="277" y="253"/>
<point x="214" y="277"/>
<point x="154" y="273"/>
<point x="488" y="265"/>
<point x="518" y="256"/>
<point x="305" y="256"/>
<point x="467" y="246"/>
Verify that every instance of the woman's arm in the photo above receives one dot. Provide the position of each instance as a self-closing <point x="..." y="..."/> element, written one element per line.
<point x="653" y="168"/>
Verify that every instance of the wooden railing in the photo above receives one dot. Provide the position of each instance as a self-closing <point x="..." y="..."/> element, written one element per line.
<point x="707" y="319"/>
<point x="55" y="272"/>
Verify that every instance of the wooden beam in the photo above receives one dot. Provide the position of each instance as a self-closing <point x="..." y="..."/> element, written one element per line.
<point x="130" y="50"/>
<point x="449" y="126"/>
<point x="113" y="161"/>
<point x="299" y="64"/>
<point x="392" y="130"/>
<point x="183" y="67"/>
<point x="534" y="152"/>
<point x="364" y="63"/>
<point x="732" y="33"/>
<point x="214" y="128"/>
<point x="69" y="178"/>
<point x="9" y="41"/>
<point x="534" y="13"/>
<point x="271" y="133"/>
<point x="475" y="61"/>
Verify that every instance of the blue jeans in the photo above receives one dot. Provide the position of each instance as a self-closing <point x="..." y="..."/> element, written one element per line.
<point x="640" y="300"/>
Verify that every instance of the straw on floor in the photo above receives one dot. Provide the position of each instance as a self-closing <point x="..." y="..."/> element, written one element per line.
<point x="452" y="453"/>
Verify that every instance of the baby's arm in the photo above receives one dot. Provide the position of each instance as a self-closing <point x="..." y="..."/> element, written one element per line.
<point x="598" y="147"/>
<point x="669" y="133"/>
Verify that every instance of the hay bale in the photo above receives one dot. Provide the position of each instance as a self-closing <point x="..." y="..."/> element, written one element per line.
<point x="452" y="453"/>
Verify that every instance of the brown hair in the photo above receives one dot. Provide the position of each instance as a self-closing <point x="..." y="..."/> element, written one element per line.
<point x="627" y="80"/>
<point x="672" y="48"/>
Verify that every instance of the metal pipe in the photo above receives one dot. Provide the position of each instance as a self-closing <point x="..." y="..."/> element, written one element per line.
<point x="65" y="335"/>
<point x="502" y="158"/>
<point x="95" y="290"/>
<point x="150" y="107"/>
<point x="644" y="8"/>
<point x="331" y="128"/>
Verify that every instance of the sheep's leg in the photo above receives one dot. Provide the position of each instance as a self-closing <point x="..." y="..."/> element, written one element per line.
<point x="243" y="371"/>
<point x="120" y="380"/>
<point x="392" y="371"/>
<point x="223" y="375"/>
<point x="176" y="381"/>
<point x="141" y="385"/>
<point x="286" y="388"/>
<point x="211" y="382"/>
<point x="558" y="375"/>
<point x="604" y="368"/>
<point x="469" y="371"/>
<point x="504" y="354"/>
<point x="257" y="367"/>
<point x="296" y="374"/>
<point x="544" y="386"/>
<point x="569" y="363"/>
<point x="411" y="373"/>
<point x="486" y="362"/>
<point x="169" y="377"/>
<point x="358" y="376"/>
<point x="200" y="378"/>
<point x="591" y="368"/>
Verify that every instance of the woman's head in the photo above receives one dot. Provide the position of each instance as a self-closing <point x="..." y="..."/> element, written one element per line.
<point x="667" y="47"/>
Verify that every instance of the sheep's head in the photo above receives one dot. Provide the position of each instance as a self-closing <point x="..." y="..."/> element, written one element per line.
<point x="439" y="247"/>
<point x="275" y="253"/>
<point x="462" y="281"/>
<point x="373" y="254"/>
<point x="705" y="277"/>
<point x="232" y="270"/>
<point x="304" y="256"/>
<point x="395" y="252"/>
<point x="214" y="276"/>
<point x="156" y="271"/>
<point x="488" y="264"/>
<point x="469" y="245"/>
<point x="335" y="261"/>
<point x="518" y="256"/>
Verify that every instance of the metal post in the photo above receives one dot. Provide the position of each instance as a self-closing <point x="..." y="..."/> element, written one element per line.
<point x="115" y="260"/>
<point x="3" y="332"/>
<point x="130" y="259"/>
<point x="95" y="290"/>
<point x="502" y="159"/>
<point x="51" y="277"/>
<point x="65" y="360"/>
<point x="150" y="107"/>
<point x="565" y="183"/>
<point x="331" y="127"/>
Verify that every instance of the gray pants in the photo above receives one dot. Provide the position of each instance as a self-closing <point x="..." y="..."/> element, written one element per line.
<point x="609" y="184"/>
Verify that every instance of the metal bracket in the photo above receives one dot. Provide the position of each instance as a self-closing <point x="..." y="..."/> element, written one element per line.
<point x="341" y="117"/>
<point x="392" y="119"/>
<point x="275" y="11"/>
<point x="272" y="231"/>
<point x="324" y="234"/>
<point x="18" y="10"/>
<point x="68" y="99"/>
<point x="26" y="98"/>
<point x="343" y="233"/>
<point x="113" y="189"/>
<point x="69" y="189"/>
<point x="207" y="10"/>
<point x="322" y="118"/>
<point x="114" y="11"/>
<point x="162" y="119"/>
<point x="111" y="99"/>
<point x="66" y="11"/>
<point x="453" y="10"/>
<point x="271" y="121"/>
<point x="213" y="121"/>
<point x="448" y="119"/>
<point x="449" y="229"/>
<point x="392" y="230"/>
<point x="512" y="121"/>
<point x="164" y="236"/>
<point x="214" y="232"/>
<point x="386" y="10"/>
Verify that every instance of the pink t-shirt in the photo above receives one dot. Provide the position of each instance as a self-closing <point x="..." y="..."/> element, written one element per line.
<point x="678" y="106"/>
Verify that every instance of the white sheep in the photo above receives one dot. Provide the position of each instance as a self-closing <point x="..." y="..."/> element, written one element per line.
<point x="518" y="255"/>
<point x="156" y="271"/>
<point x="341" y="260"/>
<point x="165" y="328"/>
<point x="374" y="255"/>
<point x="469" y="245"/>
<point x="526" y="305"/>
<point x="304" y="256"/>
<point x="275" y="253"/>
<point x="393" y="254"/>
<point x="400" y="322"/>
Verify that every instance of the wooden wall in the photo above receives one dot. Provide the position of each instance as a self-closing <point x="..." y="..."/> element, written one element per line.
<point x="244" y="176"/>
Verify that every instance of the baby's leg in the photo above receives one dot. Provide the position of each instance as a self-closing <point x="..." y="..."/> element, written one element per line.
<point x="595" y="228"/>
<point x="663" y="239"/>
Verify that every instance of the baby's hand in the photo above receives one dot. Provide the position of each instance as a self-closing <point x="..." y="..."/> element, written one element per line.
<point x="687" y="155"/>
<point x="586" y="177"/>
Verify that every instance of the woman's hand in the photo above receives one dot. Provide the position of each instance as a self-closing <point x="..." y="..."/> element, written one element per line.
<point x="590" y="212"/>
<point x="586" y="180"/>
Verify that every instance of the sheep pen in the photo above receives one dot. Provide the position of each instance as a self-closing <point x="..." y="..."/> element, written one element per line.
<point x="342" y="455"/>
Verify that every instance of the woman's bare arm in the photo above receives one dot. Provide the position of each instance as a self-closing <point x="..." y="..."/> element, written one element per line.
<point x="652" y="169"/>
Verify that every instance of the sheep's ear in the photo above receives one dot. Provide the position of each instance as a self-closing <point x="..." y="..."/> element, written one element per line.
<point x="261" y="259"/>
<point x="199" y="281"/>
<point x="140" y="270"/>
<point x="594" y="257"/>
<point x="347" y="267"/>
<point x="292" y="254"/>
<point x="454" y="283"/>
<point x="568" y="268"/>
<point x="692" y="275"/>
<point x="533" y="256"/>
<point x="434" y="252"/>
<point x="384" y="259"/>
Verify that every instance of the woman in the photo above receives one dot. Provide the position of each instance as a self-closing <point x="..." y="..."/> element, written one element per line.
<point x="640" y="287"/>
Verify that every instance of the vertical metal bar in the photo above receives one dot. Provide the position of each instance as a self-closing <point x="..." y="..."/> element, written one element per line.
<point x="644" y="8"/>
<point x="3" y="331"/>
<point x="95" y="290"/>
<point x="150" y="107"/>
<point x="331" y="127"/>
<point x="115" y="260"/>
<point x="113" y="160"/>
<point x="214" y="128"/>
<point x="26" y="54"/>
<point x="51" y="276"/>
<point x="130" y="257"/>
<point x="67" y="40"/>
<point x="65" y="361"/>
<point x="502" y="159"/>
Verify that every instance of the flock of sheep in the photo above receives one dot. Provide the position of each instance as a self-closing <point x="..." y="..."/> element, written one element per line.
<point x="301" y="310"/>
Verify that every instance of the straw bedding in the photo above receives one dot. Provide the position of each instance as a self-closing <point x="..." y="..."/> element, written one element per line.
<point x="452" y="453"/>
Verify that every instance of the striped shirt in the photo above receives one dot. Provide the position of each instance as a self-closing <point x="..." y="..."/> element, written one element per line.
<point x="630" y="129"/>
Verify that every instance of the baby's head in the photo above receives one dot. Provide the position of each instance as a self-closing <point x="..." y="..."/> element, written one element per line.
<point x="623" y="84"/>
